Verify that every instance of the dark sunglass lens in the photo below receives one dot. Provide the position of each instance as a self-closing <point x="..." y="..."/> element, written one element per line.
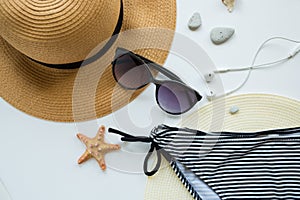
<point x="130" y="72"/>
<point x="176" y="98"/>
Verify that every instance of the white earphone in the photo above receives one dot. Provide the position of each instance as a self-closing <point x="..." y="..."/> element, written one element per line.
<point x="209" y="77"/>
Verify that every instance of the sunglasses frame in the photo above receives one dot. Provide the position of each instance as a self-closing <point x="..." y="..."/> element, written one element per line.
<point x="158" y="83"/>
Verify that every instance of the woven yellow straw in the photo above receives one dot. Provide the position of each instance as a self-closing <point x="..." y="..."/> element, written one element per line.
<point x="257" y="112"/>
<point x="64" y="31"/>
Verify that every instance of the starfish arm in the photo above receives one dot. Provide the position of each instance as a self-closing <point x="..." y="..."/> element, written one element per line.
<point x="115" y="146"/>
<point x="83" y="138"/>
<point x="102" y="164"/>
<point x="110" y="147"/>
<point x="101" y="130"/>
<point x="84" y="157"/>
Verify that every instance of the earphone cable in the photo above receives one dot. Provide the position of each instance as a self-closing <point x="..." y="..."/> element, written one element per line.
<point x="260" y="66"/>
<point x="252" y="66"/>
<point x="6" y="193"/>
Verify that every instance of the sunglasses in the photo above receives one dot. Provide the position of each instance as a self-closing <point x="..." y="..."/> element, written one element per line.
<point x="133" y="71"/>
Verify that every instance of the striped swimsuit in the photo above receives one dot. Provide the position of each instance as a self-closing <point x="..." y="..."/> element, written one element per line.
<point x="261" y="165"/>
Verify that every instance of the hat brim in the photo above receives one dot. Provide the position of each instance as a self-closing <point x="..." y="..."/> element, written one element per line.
<point x="48" y="93"/>
<point x="257" y="112"/>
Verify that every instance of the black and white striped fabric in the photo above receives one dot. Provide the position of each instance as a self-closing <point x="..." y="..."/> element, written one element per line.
<point x="261" y="165"/>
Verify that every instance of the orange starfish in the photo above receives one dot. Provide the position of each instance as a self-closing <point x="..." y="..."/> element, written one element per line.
<point x="96" y="147"/>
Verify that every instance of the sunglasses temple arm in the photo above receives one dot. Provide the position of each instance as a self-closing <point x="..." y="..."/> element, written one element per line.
<point x="165" y="72"/>
<point x="162" y="70"/>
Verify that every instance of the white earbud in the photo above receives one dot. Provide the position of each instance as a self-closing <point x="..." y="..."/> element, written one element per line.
<point x="209" y="76"/>
<point x="210" y="95"/>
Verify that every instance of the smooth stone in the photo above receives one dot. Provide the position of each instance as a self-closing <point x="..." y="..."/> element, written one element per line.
<point x="234" y="110"/>
<point x="220" y="35"/>
<point x="195" y="21"/>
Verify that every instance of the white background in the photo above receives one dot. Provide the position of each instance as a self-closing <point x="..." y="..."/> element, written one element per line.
<point x="38" y="159"/>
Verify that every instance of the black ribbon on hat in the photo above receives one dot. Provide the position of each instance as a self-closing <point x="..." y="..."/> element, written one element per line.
<point x="154" y="146"/>
<point x="99" y="54"/>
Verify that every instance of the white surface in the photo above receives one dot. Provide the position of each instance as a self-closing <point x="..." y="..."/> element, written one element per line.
<point x="38" y="158"/>
<point x="4" y="195"/>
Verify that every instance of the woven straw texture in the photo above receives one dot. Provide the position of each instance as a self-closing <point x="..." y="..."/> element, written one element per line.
<point x="64" y="31"/>
<point x="257" y="112"/>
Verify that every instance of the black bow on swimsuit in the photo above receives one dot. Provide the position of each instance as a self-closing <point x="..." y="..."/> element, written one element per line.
<point x="225" y="165"/>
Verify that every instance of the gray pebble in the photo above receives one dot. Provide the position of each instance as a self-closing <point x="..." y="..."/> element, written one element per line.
<point x="220" y="35"/>
<point x="234" y="110"/>
<point x="195" y="21"/>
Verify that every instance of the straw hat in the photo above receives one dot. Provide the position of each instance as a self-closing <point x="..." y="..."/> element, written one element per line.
<point x="40" y="38"/>
<point x="256" y="112"/>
